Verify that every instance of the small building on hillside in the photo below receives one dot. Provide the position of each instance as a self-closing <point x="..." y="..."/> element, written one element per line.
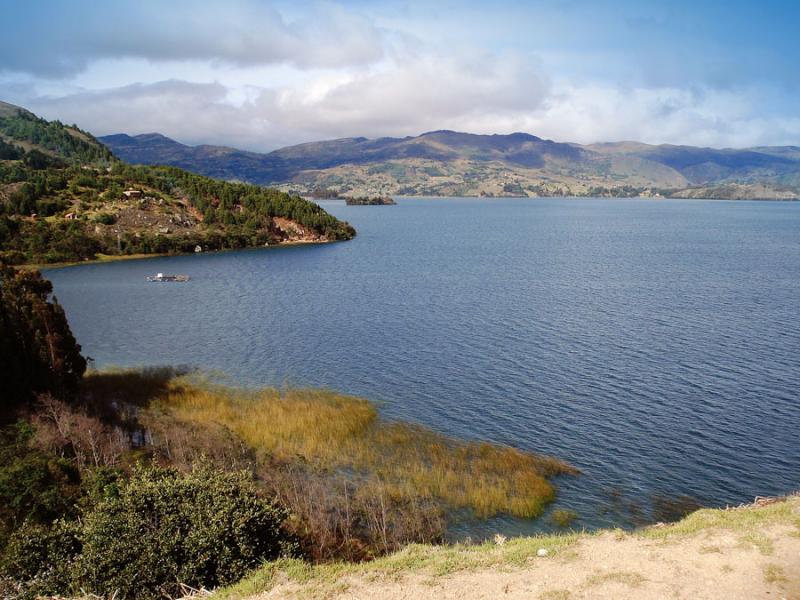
<point x="132" y="194"/>
<point x="71" y="216"/>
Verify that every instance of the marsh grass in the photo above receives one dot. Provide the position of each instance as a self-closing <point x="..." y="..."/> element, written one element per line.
<point x="134" y="387"/>
<point x="345" y="434"/>
<point x="563" y="517"/>
<point x="357" y="486"/>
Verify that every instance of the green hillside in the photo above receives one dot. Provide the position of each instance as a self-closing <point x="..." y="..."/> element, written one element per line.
<point x="65" y="197"/>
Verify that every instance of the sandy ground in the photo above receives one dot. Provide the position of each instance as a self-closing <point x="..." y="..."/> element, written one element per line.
<point x="707" y="564"/>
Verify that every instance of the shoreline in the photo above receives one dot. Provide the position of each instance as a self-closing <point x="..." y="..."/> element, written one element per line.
<point x="748" y="551"/>
<point x="655" y="198"/>
<point x="478" y="197"/>
<point x="112" y="258"/>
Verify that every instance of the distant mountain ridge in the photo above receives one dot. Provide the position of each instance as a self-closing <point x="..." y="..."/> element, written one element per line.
<point x="453" y="163"/>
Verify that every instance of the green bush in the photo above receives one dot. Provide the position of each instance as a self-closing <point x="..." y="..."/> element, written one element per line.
<point x="138" y="538"/>
<point x="34" y="486"/>
<point x="205" y="529"/>
<point x="39" y="560"/>
<point x="105" y="218"/>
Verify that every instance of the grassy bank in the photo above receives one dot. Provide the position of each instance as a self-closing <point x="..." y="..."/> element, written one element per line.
<point x="439" y="569"/>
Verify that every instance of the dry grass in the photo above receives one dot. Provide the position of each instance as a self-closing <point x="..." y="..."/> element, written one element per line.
<point x="622" y="577"/>
<point x="433" y="561"/>
<point x="555" y="595"/>
<point x="744" y="521"/>
<point x="774" y="574"/>
<point x="345" y="434"/>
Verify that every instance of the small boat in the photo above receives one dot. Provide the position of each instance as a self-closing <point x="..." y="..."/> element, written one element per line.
<point x="162" y="277"/>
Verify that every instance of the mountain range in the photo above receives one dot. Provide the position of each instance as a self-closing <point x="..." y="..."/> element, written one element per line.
<point x="449" y="163"/>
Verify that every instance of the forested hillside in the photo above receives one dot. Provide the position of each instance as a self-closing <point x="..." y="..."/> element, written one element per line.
<point x="65" y="197"/>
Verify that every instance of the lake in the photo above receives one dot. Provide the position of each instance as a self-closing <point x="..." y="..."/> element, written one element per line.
<point x="655" y="344"/>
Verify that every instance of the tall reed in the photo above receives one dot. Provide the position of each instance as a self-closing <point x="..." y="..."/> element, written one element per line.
<point x="345" y="434"/>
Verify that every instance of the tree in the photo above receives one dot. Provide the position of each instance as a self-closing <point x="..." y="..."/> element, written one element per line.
<point x="38" y="353"/>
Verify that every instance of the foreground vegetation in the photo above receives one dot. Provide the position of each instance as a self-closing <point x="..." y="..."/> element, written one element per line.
<point x="64" y="197"/>
<point x="137" y="535"/>
<point x="131" y="483"/>
<point x="356" y="486"/>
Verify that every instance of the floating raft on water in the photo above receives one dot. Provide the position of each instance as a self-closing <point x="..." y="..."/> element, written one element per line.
<point x="162" y="277"/>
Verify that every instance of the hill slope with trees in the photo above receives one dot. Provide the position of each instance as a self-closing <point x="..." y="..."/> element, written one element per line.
<point x="65" y="197"/>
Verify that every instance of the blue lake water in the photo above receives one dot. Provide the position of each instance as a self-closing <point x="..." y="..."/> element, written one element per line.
<point x="653" y="344"/>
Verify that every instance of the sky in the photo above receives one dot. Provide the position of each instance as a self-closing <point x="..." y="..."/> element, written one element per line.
<point x="260" y="75"/>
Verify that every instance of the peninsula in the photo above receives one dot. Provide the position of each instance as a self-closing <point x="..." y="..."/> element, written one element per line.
<point x="64" y="197"/>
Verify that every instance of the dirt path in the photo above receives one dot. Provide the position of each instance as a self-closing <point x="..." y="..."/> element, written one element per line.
<point x="751" y="560"/>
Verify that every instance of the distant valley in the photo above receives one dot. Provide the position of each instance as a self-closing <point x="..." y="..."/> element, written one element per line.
<point x="449" y="163"/>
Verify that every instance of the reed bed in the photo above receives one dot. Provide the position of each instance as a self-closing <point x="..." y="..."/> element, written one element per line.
<point x="345" y="434"/>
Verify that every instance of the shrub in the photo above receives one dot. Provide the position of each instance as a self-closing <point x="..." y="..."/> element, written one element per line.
<point x="34" y="486"/>
<point x="105" y="218"/>
<point x="39" y="560"/>
<point x="62" y="429"/>
<point x="205" y="529"/>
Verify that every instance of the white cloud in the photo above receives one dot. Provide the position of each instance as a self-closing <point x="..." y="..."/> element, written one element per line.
<point x="702" y="117"/>
<point x="61" y="39"/>
<point x="191" y="112"/>
<point x="419" y="93"/>
<point x="416" y="92"/>
<point x="259" y="74"/>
